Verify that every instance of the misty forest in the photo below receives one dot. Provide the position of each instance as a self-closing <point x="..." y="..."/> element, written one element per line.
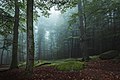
<point x="59" y="39"/>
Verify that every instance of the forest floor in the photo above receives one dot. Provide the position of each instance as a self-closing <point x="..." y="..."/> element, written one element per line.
<point x="95" y="70"/>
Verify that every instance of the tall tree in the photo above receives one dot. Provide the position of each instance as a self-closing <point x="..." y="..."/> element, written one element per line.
<point x="14" y="63"/>
<point x="30" y="37"/>
<point x="83" y="36"/>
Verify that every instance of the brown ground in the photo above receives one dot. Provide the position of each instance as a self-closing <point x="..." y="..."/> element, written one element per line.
<point x="95" y="70"/>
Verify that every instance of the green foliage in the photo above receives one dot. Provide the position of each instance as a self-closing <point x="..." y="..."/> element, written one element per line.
<point x="70" y="66"/>
<point x="73" y="19"/>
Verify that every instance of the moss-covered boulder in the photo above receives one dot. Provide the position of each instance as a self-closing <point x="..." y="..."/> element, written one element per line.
<point x="71" y="66"/>
<point x="112" y="54"/>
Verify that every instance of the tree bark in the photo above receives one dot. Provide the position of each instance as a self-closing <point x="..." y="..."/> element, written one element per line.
<point x="14" y="63"/>
<point x="30" y="37"/>
<point x="83" y="37"/>
<point x="2" y="56"/>
<point x="7" y="57"/>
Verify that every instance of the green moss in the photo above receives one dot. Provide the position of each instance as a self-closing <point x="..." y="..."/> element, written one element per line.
<point x="94" y="58"/>
<point x="70" y="66"/>
<point x="41" y="63"/>
<point x="22" y="65"/>
<point x="112" y="54"/>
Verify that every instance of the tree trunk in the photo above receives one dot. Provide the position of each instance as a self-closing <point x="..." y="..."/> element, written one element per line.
<point x="83" y="37"/>
<point x="114" y="31"/>
<point x="2" y="56"/>
<point x="30" y="37"/>
<point x="7" y="57"/>
<point x="22" y="48"/>
<point x="14" y="63"/>
<point x="3" y="50"/>
<point x="39" y="49"/>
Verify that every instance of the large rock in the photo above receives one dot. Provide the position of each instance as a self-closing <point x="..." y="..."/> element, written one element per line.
<point x="112" y="54"/>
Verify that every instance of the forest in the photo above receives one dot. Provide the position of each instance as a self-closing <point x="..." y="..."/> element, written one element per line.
<point x="59" y="39"/>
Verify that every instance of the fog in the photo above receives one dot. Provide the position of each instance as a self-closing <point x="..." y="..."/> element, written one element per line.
<point x="49" y="29"/>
